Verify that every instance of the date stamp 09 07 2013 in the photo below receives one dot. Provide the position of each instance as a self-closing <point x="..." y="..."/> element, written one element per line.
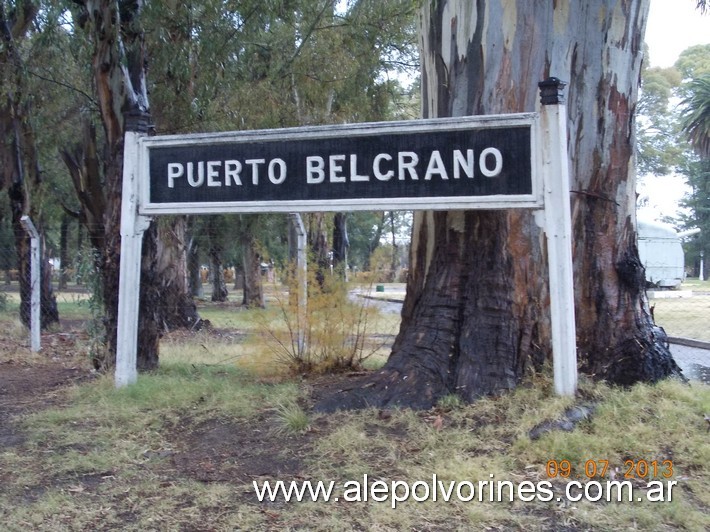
<point x="600" y="469"/>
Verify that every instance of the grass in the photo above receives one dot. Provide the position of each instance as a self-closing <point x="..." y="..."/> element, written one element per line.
<point x="109" y="458"/>
<point x="693" y="283"/>
<point x="292" y="418"/>
<point x="686" y="318"/>
<point x="180" y="449"/>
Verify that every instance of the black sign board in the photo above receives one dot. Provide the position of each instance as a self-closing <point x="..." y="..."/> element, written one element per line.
<point x="414" y="164"/>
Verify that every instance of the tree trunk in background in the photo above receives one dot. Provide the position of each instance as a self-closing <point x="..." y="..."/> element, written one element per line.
<point x="83" y="163"/>
<point x="49" y="312"/>
<point x="178" y="310"/>
<point x="219" y="287"/>
<point x="64" y="264"/>
<point x="394" y="265"/>
<point x="119" y="63"/>
<point x="318" y="244"/>
<point x="194" y="265"/>
<point x="19" y="161"/>
<point x="476" y="315"/>
<point x="341" y="244"/>
<point x="374" y="243"/>
<point x="253" y="286"/>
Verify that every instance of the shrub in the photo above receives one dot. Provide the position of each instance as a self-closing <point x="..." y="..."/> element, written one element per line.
<point x="329" y="335"/>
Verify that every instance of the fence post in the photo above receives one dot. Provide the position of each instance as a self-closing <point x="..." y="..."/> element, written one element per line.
<point x="301" y="278"/>
<point x="701" y="277"/>
<point x="35" y="287"/>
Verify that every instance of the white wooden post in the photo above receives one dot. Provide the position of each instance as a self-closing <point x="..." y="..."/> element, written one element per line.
<point x="301" y="278"/>
<point x="133" y="226"/>
<point x="35" y="286"/>
<point x="558" y="229"/>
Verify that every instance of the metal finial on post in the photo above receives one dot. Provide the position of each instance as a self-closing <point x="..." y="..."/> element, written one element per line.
<point x="138" y="121"/>
<point x="552" y="91"/>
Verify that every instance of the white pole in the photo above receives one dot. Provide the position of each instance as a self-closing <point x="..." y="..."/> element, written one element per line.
<point x="301" y="279"/>
<point x="701" y="277"/>
<point x="133" y="226"/>
<point x="35" y="286"/>
<point x="558" y="229"/>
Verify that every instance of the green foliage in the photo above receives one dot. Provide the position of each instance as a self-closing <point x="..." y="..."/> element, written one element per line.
<point x="89" y="275"/>
<point x="697" y="203"/>
<point x="224" y="66"/>
<point x="696" y="114"/>
<point x="667" y="130"/>
<point x="694" y="62"/>
<point x="657" y="126"/>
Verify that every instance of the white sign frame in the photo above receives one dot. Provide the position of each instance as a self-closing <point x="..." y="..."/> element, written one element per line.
<point x="550" y="197"/>
<point x="534" y="200"/>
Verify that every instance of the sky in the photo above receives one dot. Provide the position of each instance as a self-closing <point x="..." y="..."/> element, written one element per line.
<point x="673" y="26"/>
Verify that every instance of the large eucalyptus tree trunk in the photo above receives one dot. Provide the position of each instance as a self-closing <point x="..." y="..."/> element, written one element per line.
<point x="476" y="316"/>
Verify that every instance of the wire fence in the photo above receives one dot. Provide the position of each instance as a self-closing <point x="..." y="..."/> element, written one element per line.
<point x="683" y="312"/>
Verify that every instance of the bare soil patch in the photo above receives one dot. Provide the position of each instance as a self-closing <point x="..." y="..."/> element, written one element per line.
<point x="224" y="451"/>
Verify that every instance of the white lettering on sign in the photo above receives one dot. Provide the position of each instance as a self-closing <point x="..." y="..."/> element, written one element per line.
<point x="408" y="162"/>
<point x="340" y="168"/>
<point x="436" y="166"/>
<point x="232" y="169"/>
<point x="175" y="170"/>
<point x="315" y="173"/>
<point x="281" y="164"/>
<point x="498" y="160"/>
<point x="377" y="168"/>
<point x="254" y="163"/>
<point x="213" y="173"/>
<point x="200" y="174"/>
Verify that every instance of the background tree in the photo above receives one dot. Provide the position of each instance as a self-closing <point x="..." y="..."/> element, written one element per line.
<point x="696" y="115"/>
<point x="253" y="295"/>
<point x="696" y="125"/>
<point x="365" y="230"/>
<point x="671" y="105"/>
<point x="657" y="124"/>
<point x="19" y="157"/>
<point x="218" y="66"/>
<point x="118" y="59"/>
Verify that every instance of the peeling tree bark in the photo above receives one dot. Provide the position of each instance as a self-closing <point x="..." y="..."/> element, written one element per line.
<point x="119" y="65"/>
<point x="474" y="323"/>
<point x="178" y="310"/>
